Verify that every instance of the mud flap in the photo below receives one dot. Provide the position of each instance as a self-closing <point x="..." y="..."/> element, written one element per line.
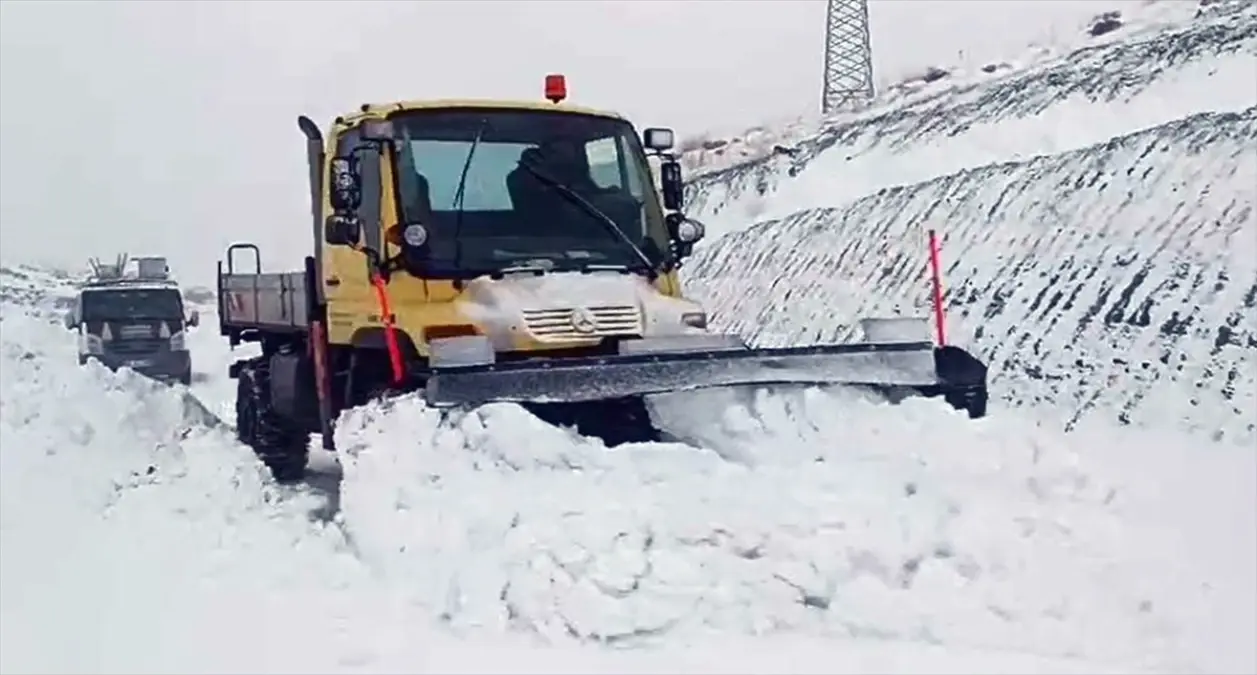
<point x="880" y="365"/>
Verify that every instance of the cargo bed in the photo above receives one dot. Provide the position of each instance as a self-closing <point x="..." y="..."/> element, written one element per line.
<point x="275" y="302"/>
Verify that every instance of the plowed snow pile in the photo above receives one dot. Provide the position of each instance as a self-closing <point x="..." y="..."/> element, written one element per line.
<point x="137" y="537"/>
<point x="849" y="519"/>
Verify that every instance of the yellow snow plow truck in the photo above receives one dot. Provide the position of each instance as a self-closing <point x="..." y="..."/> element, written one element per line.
<point x="479" y="251"/>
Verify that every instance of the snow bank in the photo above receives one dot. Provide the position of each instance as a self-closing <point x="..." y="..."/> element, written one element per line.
<point x="137" y="536"/>
<point x="858" y="521"/>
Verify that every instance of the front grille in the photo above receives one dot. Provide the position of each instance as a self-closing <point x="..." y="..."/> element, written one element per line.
<point x="555" y="325"/>
<point x="136" y="346"/>
<point x="133" y="331"/>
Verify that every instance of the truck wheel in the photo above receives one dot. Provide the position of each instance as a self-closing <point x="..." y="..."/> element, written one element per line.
<point x="369" y="378"/>
<point x="283" y="449"/>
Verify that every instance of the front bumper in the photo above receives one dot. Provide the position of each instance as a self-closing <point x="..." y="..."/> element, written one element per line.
<point x="164" y="366"/>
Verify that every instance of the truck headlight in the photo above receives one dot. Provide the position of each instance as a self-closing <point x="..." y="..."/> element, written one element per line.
<point x="461" y="350"/>
<point x="92" y="344"/>
<point x="177" y="342"/>
<point x="694" y="319"/>
<point x="690" y="231"/>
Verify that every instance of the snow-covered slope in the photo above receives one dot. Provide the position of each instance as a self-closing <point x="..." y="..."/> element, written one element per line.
<point x="1116" y="277"/>
<point x="1173" y="58"/>
<point x="1104" y="280"/>
<point x="36" y="291"/>
<point x="1107" y="22"/>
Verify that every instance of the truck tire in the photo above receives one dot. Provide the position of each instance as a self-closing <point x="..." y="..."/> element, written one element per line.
<point x="283" y="449"/>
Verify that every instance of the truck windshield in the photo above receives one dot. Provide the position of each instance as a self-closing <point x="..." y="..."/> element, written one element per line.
<point x="510" y="215"/>
<point x="132" y="303"/>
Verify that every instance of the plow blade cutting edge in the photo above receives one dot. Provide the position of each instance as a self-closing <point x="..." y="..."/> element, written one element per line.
<point x="909" y="367"/>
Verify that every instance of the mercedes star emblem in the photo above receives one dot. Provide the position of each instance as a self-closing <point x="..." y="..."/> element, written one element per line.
<point x="582" y="321"/>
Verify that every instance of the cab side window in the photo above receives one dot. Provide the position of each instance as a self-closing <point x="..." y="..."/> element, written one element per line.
<point x="603" y="167"/>
<point x="608" y="166"/>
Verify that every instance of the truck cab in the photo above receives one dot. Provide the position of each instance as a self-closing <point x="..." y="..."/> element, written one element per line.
<point x="139" y="322"/>
<point x="537" y="227"/>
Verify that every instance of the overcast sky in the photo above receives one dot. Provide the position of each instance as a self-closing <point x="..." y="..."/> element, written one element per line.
<point x="168" y="127"/>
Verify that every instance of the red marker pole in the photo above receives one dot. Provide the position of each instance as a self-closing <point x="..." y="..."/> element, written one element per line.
<point x="937" y="277"/>
<point x="390" y="334"/>
<point x="386" y="314"/>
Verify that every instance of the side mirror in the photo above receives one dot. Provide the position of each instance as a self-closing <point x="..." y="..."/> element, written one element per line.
<point x="670" y="182"/>
<point x="658" y="139"/>
<point x="684" y="232"/>
<point x="379" y="131"/>
<point x="341" y="230"/>
<point x="194" y="319"/>
<point x="345" y="185"/>
<point x="70" y="322"/>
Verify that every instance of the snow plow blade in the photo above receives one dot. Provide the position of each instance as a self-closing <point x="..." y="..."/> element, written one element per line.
<point x="895" y="368"/>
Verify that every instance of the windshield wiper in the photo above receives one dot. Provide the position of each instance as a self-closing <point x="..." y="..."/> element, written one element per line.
<point x="607" y="221"/>
<point x="602" y="267"/>
<point x="461" y="192"/>
<point x="525" y="267"/>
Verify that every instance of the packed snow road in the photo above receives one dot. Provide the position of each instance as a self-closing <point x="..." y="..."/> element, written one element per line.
<point x="858" y="536"/>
